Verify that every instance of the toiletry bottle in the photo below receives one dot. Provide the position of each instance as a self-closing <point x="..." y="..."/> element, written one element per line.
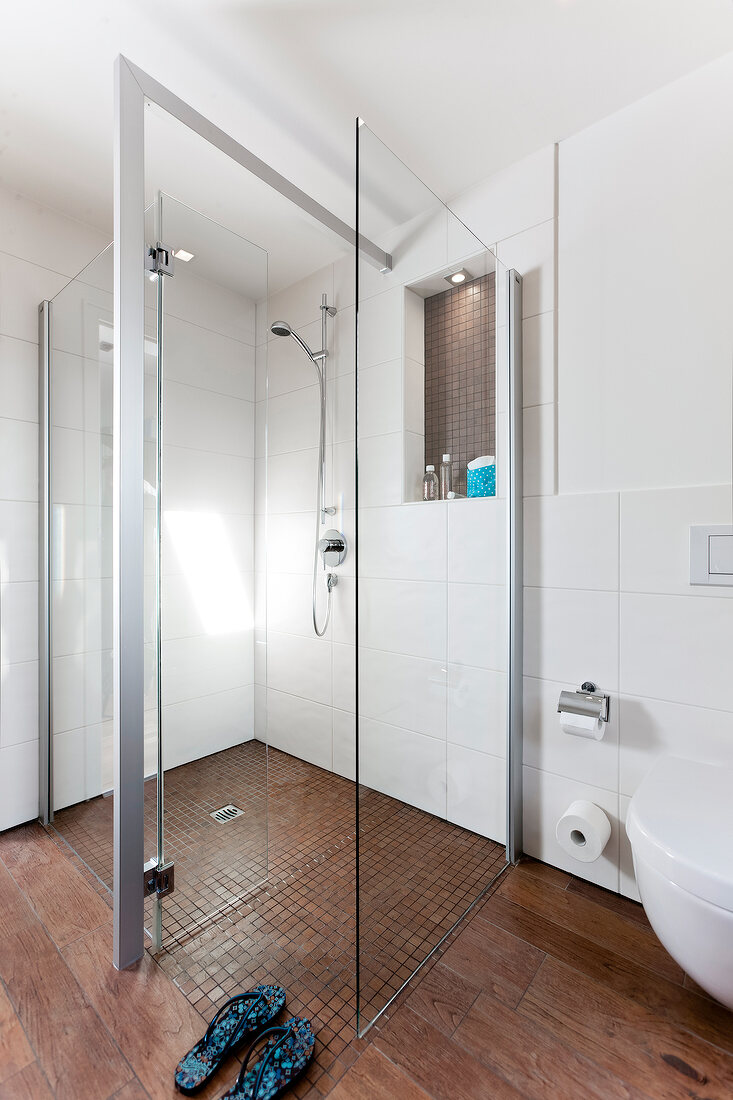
<point x="430" y="484"/>
<point x="446" y="477"/>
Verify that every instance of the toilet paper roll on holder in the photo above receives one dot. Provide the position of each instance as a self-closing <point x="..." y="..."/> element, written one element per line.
<point x="588" y="701"/>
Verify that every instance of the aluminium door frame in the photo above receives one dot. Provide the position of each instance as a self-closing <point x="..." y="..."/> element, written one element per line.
<point x="133" y="89"/>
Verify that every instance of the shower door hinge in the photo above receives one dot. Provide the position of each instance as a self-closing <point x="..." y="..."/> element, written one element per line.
<point x="160" y="881"/>
<point x="159" y="260"/>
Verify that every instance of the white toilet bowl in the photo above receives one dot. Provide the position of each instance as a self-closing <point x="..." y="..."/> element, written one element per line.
<point x="680" y="825"/>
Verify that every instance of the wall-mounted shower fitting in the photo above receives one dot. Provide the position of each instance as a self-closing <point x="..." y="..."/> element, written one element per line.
<point x="333" y="548"/>
<point x="318" y="359"/>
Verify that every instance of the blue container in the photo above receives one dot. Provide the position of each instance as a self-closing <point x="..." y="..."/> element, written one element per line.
<point x="481" y="482"/>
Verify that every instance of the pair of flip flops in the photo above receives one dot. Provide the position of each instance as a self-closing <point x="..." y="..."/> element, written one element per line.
<point x="281" y="1053"/>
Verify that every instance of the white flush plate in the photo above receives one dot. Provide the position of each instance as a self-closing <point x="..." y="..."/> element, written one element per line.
<point x="711" y="555"/>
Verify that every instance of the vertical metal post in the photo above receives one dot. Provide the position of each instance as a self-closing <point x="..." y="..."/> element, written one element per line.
<point x="45" y="737"/>
<point x="515" y="586"/>
<point x="129" y="684"/>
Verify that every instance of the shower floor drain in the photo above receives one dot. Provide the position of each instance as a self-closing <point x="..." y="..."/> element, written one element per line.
<point x="226" y="813"/>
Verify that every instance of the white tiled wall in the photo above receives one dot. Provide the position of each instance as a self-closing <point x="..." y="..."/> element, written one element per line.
<point x="643" y="450"/>
<point x="208" y="479"/>
<point x="39" y="251"/>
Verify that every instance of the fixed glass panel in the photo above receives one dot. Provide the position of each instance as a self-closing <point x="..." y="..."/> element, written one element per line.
<point x="81" y="431"/>
<point x="212" y="771"/>
<point x="431" y="575"/>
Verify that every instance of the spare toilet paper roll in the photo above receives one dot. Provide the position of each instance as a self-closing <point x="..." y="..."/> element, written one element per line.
<point x="583" y="831"/>
<point x="581" y="725"/>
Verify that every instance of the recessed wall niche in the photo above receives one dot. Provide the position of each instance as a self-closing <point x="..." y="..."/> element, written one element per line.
<point x="460" y="375"/>
<point x="451" y="333"/>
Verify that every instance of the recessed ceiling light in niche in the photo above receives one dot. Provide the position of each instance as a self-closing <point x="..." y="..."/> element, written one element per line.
<point x="457" y="277"/>
<point x="181" y="254"/>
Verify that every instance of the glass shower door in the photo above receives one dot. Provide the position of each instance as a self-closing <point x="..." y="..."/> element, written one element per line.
<point x="432" y="637"/>
<point x="207" y="814"/>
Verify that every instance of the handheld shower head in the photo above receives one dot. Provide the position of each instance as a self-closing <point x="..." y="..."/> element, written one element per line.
<point x="282" y="328"/>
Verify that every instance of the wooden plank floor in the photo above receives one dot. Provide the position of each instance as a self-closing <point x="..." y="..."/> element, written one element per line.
<point x="552" y="989"/>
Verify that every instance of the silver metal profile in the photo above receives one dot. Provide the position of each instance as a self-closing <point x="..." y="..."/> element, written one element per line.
<point x="219" y="139"/>
<point x="45" y="733"/>
<point x="127" y="512"/>
<point x="515" y="579"/>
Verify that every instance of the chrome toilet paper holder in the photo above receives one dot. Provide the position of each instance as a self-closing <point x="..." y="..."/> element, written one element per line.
<point x="587" y="701"/>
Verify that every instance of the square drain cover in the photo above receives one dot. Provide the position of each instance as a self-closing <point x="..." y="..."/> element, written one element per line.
<point x="226" y="813"/>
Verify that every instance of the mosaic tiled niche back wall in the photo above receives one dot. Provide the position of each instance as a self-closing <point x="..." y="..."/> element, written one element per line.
<point x="460" y="375"/>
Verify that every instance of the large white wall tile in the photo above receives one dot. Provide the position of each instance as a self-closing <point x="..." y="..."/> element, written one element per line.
<point x="209" y="421"/>
<point x="19" y="711"/>
<point x="651" y="728"/>
<point x="477" y="792"/>
<point x="292" y="481"/>
<point x="380" y="399"/>
<point x="477" y="541"/>
<point x="300" y="303"/>
<point x="205" y="664"/>
<point x="344" y="744"/>
<point x="201" y="481"/>
<point x="538" y="359"/>
<point x="509" y="201"/>
<point x="18" y="379"/>
<point x="18" y="541"/>
<point x="18" y="784"/>
<point x="344" y="676"/>
<point x="678" y="648"/>
<point x="300" y="727"/>
<point x="403" y="691"/>
<point x="293" y="421"/>
<point x="300" y="666"/>
<point x="477" y="709"/>
<point x="289" y="603"/>
<point x="380" y="470"/>
<point x="19" y="622"/>
<point x="477" y="625"/>
<point x="571" y="636"/>
<point x="548" y="748"/>
<point x="22" y="286"/>
<point x="207" y="724"/>
<point x="403" y="617"/>
<point x="18" y="460"/>
<point x="638" y="191"/>
<point x="199" y="357"/>
<point x="341" y="416"/>
<point x="404" y="543"/>
<point x="546" y="798"/>
<point x="655" y="537"/>
<point x="539" y="450"/>
<point x="403" y="764"/>
<point x="572" y="541"/>
<point x="532" y="253"/>
<point x="380" y="328"/>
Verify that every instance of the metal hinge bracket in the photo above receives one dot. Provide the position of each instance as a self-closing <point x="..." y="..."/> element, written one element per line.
<point x="160" y="881"/>
<point x="159" y="260"/>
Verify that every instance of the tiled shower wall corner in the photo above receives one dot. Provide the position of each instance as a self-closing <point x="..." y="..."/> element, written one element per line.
<point x="460" y="375"/>
<point x="40" y="250"/>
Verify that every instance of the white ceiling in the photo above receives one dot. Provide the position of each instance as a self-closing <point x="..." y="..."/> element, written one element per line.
<point x="459" y="90"/>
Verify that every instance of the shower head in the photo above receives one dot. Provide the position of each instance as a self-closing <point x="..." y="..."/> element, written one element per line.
<point x="282" y="328"/>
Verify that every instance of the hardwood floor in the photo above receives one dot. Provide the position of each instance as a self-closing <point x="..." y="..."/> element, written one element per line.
<point x="552" y="989"/>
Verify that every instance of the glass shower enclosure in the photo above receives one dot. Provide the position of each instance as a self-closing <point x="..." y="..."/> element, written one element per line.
<point x="175" y="491"/>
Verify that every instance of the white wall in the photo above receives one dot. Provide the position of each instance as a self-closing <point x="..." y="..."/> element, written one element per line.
<point x="207" y="653"/>
<point x="299" y="698"/>
<point x="643" y="450"/>
<point x="39" y="251"/>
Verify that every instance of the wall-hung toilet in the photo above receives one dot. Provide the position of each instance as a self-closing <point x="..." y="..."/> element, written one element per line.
<point x="680" y="825"/>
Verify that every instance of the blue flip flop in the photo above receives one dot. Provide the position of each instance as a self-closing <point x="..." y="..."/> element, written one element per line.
<point x="285" y="1056"/>
<point x="239" y="1020"/>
